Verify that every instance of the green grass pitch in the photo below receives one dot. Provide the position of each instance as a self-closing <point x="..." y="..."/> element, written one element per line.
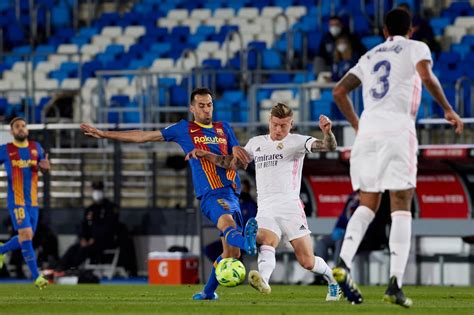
<point x="242" y="300"/>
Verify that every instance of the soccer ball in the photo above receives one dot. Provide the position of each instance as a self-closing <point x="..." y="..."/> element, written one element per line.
<point x="230" y="272"/>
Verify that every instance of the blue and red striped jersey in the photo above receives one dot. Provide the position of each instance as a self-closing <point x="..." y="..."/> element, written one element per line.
<point x="21" y="163"/>
<point x="217" y="138"/>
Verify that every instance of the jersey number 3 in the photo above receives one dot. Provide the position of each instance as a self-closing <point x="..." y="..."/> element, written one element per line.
<point x="382" y="72"/>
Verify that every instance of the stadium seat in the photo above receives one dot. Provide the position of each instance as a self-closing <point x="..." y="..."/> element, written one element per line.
<point x="371" y="41"/>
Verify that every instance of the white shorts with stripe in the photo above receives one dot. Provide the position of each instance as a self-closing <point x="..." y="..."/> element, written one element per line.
<point x="384" y="162"/>
<point x="287" y="227"/>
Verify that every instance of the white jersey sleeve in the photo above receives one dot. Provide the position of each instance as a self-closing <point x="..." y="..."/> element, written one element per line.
<point x="249" y="147"/>
<point x="357" y="70"/>
<point x="420" y="51"/>
<point x="308" y="142"/>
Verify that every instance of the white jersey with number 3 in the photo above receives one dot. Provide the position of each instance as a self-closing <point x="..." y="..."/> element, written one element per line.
<point x="391" y="85"/>
<point x="278" y="168"/>
<point x="383" y="156"/>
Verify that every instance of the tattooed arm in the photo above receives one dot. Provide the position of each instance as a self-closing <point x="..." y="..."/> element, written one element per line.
<point x="224" y="161"/>
<point x="341" y="96"/>
<point x="137" y="136"/>
<point x="329" y="141"/>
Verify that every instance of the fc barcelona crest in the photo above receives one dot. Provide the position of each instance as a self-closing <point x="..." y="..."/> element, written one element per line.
<point x="34" y="152"/>
<point x="219" y="131"/>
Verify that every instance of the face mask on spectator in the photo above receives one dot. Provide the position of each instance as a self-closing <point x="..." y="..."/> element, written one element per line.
<point x="335" y="30"/>
<point x="97" y="195"/>
<point x="341" y="47"/>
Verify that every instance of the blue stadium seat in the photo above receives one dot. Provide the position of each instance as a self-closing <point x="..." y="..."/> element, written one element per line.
<point x="3" y="105"/>
<point x="60" y="17"/>
<point x="320" y="107"/>
<point x="58" y="75"/>
<point x="88" y="31"/>
<point x="206" y="30"/>
<point x="89" y="69"/>
<point x="468" y="40"/>
<point x="226" y="80"/>
<point x="104" y="58"/>
<point x="14" y="35"/>
<point x="449" y="57"/>
<point x="178" y="95"/>
<point x="212" y="63"/>
<point x="233" y="96"/>
<point x="439" y="24"/>
<point x="271" y="59"/>
<point x="115" y="49"/>
<point x="280" y="78"/>
<point x="160" y="48"/>
<point x="462" y="49"/>
<point x="80" y="40"/>
<point x="119" y="100"/>
<point x="361" y="24"/>
<point x="26" y="49"/>
<point x="371" y="41"/>
<point x="132" y="117"/>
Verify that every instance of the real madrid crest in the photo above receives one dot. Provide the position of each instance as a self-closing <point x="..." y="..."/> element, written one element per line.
<point x="280" y="146"/>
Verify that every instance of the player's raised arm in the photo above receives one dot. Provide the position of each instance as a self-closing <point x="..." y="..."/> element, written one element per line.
<point x="341" y="96"/>
<point x="329" y="141"/>
<point x="224" y="161"/>
<point x="137" y="136"/>
<point x="45" y="164"/>
<point x="433" y="86"/>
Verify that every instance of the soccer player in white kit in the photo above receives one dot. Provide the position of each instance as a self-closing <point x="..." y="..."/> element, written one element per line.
<point x="278" y="158"/>
<point x="383" y="156"/>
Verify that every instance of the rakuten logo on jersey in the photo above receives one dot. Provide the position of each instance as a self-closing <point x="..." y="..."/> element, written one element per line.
<point x="210" y="140"/>
<point x="24" y="163"/>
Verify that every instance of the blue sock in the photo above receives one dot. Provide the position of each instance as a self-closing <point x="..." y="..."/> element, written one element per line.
<point x="212" y="283"/>
<point x="30" y="258"/>
<point x="11" y="245"/>
<point x="234" y="238"/>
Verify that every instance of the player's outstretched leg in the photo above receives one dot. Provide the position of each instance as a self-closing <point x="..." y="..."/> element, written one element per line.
<point x="394" y="294"/>
<point x="30" y="258"/>
<point x="209" y="292"/>
<point x="321" y="268"/>
<point x="258" y="283"/>
<point x="349" y="287"/>
<point x="250" y="235"/>
<point x="247" y="241"/>
<point x="11" y="245"/>
<point x="266" y="264"/>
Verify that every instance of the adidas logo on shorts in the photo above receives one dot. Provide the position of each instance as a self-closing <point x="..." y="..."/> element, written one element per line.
<point x="302" y="228"/>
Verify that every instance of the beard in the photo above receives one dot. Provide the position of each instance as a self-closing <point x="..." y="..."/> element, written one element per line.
<point x="20" y="138"/>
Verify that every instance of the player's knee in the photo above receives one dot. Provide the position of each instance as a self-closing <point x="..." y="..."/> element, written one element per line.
<point x="25" y="235"/>
<point x="224" y="222"/>
<point x="307" y="262"/>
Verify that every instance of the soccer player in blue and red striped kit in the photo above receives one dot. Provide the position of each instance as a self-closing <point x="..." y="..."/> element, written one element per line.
<point x="23" y="159"/>
<point x="215" y="187"/>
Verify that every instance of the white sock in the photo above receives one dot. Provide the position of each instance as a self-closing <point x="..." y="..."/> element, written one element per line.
<point x="266" y="261"/>
<point x="355" y="231"/>
<point x="321" y="268"/>
<point x="399" y="243"/>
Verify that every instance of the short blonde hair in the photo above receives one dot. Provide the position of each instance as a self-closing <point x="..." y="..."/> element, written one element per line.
<point x="281" y="110"/>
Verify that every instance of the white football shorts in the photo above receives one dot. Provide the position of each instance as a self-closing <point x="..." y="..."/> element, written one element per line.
<point x="384" y="162"/>
<point x="287" y="228"/>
